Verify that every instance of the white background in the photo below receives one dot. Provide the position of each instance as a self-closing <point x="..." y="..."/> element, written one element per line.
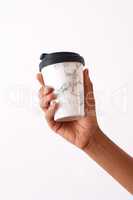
<point x="35" y="163"/>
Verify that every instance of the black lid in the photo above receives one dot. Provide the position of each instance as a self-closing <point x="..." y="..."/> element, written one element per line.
<point x="59" y="57"/>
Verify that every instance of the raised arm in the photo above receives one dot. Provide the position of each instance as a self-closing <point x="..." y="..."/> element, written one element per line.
<point x="86" y="134"/>
<point x="112" y="158"/>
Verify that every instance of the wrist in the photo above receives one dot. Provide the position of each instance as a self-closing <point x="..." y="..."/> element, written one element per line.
<point x="93" y="142"/>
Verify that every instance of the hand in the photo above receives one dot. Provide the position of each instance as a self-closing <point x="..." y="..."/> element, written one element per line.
<point x="79" y="132"/>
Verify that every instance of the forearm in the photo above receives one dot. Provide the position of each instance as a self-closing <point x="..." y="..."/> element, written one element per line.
<point x="113" y="159"/>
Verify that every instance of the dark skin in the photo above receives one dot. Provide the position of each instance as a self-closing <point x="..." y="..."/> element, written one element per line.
<point x="86" y="134"/>
<point x="78" y="132"/>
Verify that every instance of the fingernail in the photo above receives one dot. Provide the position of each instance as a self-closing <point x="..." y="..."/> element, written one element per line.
<point x="53" y="102"/>
<point x="87" y="72"/>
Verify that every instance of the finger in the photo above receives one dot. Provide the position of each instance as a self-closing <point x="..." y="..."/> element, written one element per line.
<point x="49" y="114"/>
<point x="45" y="101"/>
<point x="40" y="79"/>
<point x="44" y="90"/>
<point x="44" y="105"/>
<point x="87" y="82"/>
<point x="89" y="96"/>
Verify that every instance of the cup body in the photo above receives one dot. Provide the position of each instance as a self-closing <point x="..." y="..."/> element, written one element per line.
<point x="67" y="80"/>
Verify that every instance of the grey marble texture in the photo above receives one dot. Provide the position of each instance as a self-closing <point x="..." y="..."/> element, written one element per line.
<point x="67" y="80"/>
<point x="71" y="92"/>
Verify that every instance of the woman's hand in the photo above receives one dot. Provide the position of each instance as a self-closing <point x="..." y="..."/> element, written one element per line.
<point x="86" y="134"/>
<point x="79" y="132"/>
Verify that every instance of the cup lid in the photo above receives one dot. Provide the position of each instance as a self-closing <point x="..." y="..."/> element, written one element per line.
<point x="59" y="57"/>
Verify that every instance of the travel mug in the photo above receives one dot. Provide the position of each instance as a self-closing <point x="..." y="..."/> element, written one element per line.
<point x="64" y="72"/>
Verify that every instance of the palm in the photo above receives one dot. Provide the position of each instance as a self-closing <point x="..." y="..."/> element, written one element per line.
<point x="77" y="132"/>
<point x="80" y="131"/>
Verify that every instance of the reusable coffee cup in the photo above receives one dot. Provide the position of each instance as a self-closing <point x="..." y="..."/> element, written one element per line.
<point x="64" y="72"/>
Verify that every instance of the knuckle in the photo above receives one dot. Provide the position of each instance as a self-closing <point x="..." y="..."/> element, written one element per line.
<point x="47" y="89"/>
<point x="43" y="103"/>
<point x="41" y="92"/>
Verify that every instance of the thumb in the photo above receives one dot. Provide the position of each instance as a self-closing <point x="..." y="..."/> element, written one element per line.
<point x="88" y="93"/>
<point x="39" y="77"/>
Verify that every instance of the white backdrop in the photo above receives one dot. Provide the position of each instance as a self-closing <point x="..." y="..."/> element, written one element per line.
<point x="35" y="163"/>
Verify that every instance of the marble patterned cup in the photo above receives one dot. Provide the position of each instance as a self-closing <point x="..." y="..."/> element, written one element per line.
<point x="64" y="72"/>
